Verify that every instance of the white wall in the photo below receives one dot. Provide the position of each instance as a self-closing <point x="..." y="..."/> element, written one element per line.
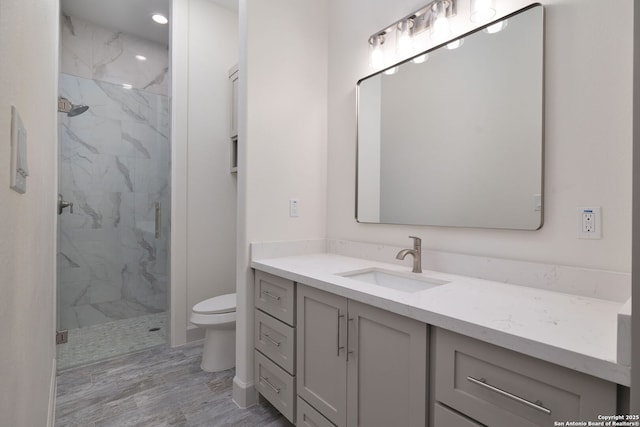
<point x="28" y="80"/>
<point x="213" y="50"/>
<point x="282" y="134"/>
<point x="205" y="46"/>
<point x="588" y="133"/>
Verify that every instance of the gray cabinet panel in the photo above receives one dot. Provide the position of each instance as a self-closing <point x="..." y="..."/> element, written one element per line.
<point x="321" y="364"/>
<point x="276" y="340"/>
<point x="499" y="387"/>
<point x="275" y="296"/>
<point x="276" y="385"/>
<point x="309" y="417"/>
<point x="387" y="368"/>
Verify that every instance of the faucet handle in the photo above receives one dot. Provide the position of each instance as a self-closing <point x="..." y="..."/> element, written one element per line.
<point x="416" y="241"/>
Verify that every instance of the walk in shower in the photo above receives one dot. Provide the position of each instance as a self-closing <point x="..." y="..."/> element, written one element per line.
<point x="114" y="185"/>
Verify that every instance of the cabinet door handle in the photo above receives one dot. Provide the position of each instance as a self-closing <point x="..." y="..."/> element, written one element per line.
<point x="158" y="221"/>
<point x="267" y="382"/>
<point x="349" y="319"/>
<point x="270" y="295"/>
<point x="271" y="340"/>
<point x="537" y="405"/>
<point x="339" y="347"/>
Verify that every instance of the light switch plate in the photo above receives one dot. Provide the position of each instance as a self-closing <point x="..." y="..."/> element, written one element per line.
<point x="19" y="169"/>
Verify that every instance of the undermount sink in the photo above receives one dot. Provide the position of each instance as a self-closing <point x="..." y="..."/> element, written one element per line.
<point x="405" y="282"/>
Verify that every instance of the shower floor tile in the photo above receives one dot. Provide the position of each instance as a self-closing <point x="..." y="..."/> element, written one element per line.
<point x="99" y="342"/>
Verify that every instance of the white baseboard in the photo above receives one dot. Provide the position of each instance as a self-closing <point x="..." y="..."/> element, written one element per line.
<point x="52" y="395"/>
<point x="244" y="394"/>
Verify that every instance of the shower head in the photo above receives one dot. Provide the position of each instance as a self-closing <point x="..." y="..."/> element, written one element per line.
<point x="77" y="110"/>
<point x="72" y="110"/>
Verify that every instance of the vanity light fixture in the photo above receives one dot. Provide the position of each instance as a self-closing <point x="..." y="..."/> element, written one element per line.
<point x="404" y="42"/>
<point x="420" y="59"/>
<point x="440" y="25"/>
<point x="391" y="71"/>
<point x="376" y="56"/>
<point x="160" y="18"/>
<point x="482" y="10"/>
<point x="434" y="14"/>
<point x="497" y="27"/>
<point x="455" y="44"/>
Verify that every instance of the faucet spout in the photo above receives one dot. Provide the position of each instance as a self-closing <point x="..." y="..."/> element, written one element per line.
<point x="416" y="252"/>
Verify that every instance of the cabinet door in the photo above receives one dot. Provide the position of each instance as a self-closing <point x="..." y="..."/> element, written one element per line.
<point x="386" y="368"/>
<point x="321" y="366"/>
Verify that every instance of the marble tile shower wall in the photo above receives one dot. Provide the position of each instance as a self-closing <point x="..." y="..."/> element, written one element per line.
<point x="94" y="52"/>
<point x="114" y="165"/>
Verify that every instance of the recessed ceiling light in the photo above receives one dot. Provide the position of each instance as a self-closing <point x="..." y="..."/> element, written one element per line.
<point x="159" y="18"/>
<point x="141" y="57"/>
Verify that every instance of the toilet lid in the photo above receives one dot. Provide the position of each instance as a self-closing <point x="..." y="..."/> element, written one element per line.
<point x="221" y="304"/>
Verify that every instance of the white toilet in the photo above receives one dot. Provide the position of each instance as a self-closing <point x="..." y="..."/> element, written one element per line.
<point x="218" y="317"/>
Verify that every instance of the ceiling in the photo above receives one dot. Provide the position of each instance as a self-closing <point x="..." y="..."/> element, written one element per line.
<point x="129" y="16"/>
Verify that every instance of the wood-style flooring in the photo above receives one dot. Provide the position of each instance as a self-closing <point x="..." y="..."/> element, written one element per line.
<point x="157" y="387"/>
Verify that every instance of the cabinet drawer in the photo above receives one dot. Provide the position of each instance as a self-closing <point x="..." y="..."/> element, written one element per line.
<point x="500" y="387"/>
<point x="309" y="417"/>
<point x="275" y="296"/>
<point x="276" y="385"/>
<point x="445" y="417"/>
<point x="276" y="340"/>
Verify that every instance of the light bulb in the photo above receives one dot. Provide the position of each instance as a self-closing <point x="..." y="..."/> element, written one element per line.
<point x="482" y="10"/>
<point x="497" y="27"/>
<point x="440" y="26"/>
<point x="376" y="56"/>
<point x="420" y="59"/>
<point x="404" y="44"/>
<point x="455" y="44"/>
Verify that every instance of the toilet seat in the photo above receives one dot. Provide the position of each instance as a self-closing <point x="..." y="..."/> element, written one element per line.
<point x="216" y="305"/>
<point x="216" y="311"/>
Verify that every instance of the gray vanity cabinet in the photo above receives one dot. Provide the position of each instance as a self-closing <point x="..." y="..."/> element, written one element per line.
<point x="321" y="358"/>
<point x="478" y="381"/>
<point x="359" y="365"/>
<point x="274" y="341"/>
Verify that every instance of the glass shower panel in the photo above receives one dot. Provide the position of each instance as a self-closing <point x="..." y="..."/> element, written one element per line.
<point x="114" y="166"/>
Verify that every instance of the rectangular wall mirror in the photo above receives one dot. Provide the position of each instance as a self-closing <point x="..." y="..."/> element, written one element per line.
<point x="458" y="139"/>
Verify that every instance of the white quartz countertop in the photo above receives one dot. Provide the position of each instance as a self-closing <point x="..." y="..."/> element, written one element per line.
<point x="573" y="331"/>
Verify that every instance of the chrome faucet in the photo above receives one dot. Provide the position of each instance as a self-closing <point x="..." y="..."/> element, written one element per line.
<point x="416" y="252"/>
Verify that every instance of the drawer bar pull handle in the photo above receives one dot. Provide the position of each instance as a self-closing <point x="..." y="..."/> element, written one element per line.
<point x="339" y="347"/>
<point x="349" y="319"/>
<point x="267" y="382"/>
<point x="270" y="295"/>
<point x="271" y="340"/>
<point x="482" y="382"/>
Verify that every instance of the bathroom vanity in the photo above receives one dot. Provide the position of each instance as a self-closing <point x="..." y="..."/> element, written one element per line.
<point x="346" y="341"/>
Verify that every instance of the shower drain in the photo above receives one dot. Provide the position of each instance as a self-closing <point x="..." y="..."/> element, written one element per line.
<point x="154" y="329"/>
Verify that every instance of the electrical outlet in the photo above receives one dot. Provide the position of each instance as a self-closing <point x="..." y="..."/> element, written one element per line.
<point x="589" y="222"/>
